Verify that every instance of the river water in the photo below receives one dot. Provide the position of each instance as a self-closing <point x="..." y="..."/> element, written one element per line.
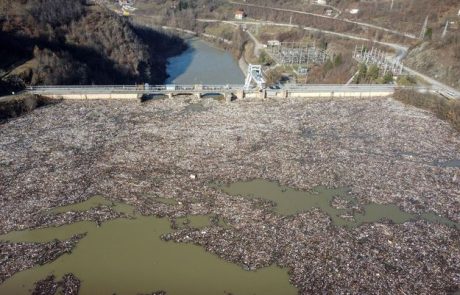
<point x="204" y="64"/>
<point x="127" y="256"/>
<point x="290" y="201"/>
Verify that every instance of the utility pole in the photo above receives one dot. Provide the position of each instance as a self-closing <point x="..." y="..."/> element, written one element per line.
<point x="444" y="32"/>
<point x="424" y="28"/>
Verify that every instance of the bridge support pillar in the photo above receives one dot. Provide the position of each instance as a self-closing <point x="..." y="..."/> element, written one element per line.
<point x="263" y="94"/>
<point x="285" y="94"/>
<point x="228" y="97"/>
<point x="198" y="95"/>
<point x="170" y="95"/>
<point x="239" y="94"/>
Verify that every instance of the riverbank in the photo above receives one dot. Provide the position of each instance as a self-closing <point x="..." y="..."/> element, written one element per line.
<point x="13" y="106"/>
<point x="142" y="154"/>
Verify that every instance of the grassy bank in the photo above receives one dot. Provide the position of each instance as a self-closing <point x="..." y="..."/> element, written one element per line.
<point x="443" y="108"/>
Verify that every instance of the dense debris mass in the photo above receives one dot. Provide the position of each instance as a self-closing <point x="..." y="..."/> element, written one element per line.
<point x="15" y="257"/>
<point x="141" y="154"/>
<point x="98" y="215"/>
<point x="69" y="285"/>
<point x="45" y="286"/>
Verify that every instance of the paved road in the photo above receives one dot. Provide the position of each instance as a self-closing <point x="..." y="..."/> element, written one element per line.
<point x="258" y="47"/>
<point x="407" y="35"/>
<point x="441" y="88"/>
<point x="401" y="51"/>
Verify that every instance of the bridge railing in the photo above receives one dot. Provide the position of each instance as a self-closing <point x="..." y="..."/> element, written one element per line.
<point x="132" y="88"/>
<point x="177" y="88"/>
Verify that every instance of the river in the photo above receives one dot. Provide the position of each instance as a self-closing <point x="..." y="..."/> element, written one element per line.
<point x="203" y="63"/>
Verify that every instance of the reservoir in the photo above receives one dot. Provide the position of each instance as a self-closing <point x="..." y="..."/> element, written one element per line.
<point x="202" y="63"/>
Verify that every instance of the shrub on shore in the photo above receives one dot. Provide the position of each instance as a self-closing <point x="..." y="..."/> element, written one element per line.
<point x="443" y="108"/>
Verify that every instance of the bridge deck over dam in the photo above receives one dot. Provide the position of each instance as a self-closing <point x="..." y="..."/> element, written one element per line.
<point x="228" y="91"/>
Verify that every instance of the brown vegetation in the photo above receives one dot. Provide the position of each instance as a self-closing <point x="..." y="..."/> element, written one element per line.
<point x="15" y="106"/>
<point x="406" y="16"/>
<point x="337" y="70"/>
<point x="438" y="58"/>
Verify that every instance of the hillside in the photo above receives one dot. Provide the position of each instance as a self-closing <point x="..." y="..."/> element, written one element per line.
<point x="439" y="59"/>
<point x="434" y="48"/>
<point x="74" y="42"/>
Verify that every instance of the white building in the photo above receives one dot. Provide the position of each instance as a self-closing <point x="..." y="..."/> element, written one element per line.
<point x="125" y="2"/>
<point x="239" y="14"/>
<point x="354" y="11"/>
<point x="273" y="43"/>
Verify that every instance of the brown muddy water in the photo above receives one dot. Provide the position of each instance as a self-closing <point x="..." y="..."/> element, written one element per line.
<point x="127" y="256"/>
<point x="291" y="201"/>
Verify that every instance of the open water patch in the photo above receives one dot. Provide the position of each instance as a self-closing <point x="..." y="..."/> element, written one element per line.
<point x="128" y="256"/>
<point x="291" y="201"/>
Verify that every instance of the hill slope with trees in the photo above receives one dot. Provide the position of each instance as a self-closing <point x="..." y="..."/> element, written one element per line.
<point x="75" y="42"/>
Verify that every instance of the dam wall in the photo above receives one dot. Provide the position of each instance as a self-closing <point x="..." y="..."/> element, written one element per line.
<point x="230" y="92"/>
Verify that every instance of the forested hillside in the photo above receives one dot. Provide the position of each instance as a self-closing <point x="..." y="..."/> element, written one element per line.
<point x="74" y="42"/>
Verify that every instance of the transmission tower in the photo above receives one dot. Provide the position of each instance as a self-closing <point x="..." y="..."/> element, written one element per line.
<point x="378" y="58"/>
<point x="254" y="74"/>
<point x="296" y="53"/>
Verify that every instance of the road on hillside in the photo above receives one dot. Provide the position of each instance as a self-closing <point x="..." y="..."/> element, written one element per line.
<point x="403" y="34"/>
<point x="400" y="50"/>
